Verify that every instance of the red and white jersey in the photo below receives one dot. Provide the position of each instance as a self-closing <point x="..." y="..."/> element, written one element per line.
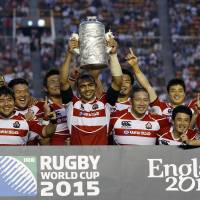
<point x="62" y="132"/>
<point x="129" y="130"/>
<point x="88" y="122"/>
<point x="167" y="137"/>
<point x="164" y="108"/>
<point x="122" y="105"/>
<point x="198" y="122"/>
<point x="16" y="130"/>
<point x="34" y="109"/>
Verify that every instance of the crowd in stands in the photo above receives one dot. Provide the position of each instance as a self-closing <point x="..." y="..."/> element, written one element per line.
<point x="184" y="26"/>
<point x="15" y="54"/>
<point x="122" y="18"/>
<point x="68" y="119"/>
<point x="135" y="23"/>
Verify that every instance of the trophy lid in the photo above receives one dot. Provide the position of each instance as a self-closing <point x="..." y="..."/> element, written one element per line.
<point x="91" y="20"/>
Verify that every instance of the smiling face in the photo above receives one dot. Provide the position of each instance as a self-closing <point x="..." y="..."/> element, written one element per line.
<point x="176" y="95"/>
<point x="7" y="105"/>
<point x="87" y="90"/>
<point x="53" y="85"/>
<point x="2" y="80"/>
<point x="140" y="103"/>
<point x="181" y="123"/>
<point x="126" y="86"/>
<point x="22" y="96"/>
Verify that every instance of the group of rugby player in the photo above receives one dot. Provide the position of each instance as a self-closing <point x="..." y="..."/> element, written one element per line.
<point x="123" y="115"/>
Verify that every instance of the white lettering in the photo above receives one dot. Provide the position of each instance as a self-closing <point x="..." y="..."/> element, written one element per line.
<point x="153" y="168"/>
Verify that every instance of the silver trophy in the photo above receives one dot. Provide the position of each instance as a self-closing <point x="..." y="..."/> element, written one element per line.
<point x="92" y="46"/>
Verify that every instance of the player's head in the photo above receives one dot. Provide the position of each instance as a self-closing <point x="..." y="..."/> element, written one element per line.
<point x="181" y="116"/>
<point x="176" y="91"/>
<point x="7" y="101"/>
<point x="52" y="82"/>
<point x="86" y="86"/>
<point x="127" y="82"/>
<point x="20" y="88"/>
<point x="2" y="80"/>
<point x="140" y="101"/>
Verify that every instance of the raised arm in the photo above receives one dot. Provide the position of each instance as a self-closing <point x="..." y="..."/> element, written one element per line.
<point x="49" y="129"/>
<point x="114" y="65"/>
<point x="141" y="78"/>
<point x="96" y="73"/>
<point x="64" y="70"/>
<point x="196" y="114"/>
<point x="116" y="72"/>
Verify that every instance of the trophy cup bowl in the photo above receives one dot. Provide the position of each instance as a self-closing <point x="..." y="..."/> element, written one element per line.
<point x="92" y="44"/>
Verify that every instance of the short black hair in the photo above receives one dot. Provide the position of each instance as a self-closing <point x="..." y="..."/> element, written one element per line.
<point x="17" y="81"/>
<point x="127" y="72"/>
<point x="51" y="72"/>
<point x="1" y="74"/>
<point x="175" y="81"/>
<point x="4" y="90"/>
<point x="181" y="109"/>
<point x="85" y="77"/>
<point x="136" y="89"/>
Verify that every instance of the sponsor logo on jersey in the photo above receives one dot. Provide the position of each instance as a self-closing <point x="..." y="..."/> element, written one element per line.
<point x="126" y="123"/>
<point x="91" y="114"/>
<point x="132" y="132"/>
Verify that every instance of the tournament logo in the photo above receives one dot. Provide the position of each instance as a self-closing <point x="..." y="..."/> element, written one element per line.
<point x="18" y="176"/>
<point x="16" y="124"/>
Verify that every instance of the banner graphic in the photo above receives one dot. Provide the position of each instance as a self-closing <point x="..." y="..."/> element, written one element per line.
<point x="100" y="173"/>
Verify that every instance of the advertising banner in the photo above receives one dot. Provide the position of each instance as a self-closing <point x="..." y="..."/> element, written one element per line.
<point x="99" y="173"/>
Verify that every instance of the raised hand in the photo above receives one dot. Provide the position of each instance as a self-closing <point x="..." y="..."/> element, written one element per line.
<point x="47" y="109"/>
<point x="48" y="112"/>
<point x="29" y="115"/>
<point x="111" y="42"/>
<point x="131" y="58"/>
<point x="184" y="137"/>
<point x="73" y="44"/>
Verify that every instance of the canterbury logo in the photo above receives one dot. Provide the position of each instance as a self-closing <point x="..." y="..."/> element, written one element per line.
<point x="126" y="123"/>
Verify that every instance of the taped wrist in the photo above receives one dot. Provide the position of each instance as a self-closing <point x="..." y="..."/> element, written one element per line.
<point x="115" y="67"/>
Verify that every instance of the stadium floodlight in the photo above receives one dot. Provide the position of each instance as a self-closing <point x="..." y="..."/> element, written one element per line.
<point x="30" y="23"/>
<point x="41" y="22"/>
